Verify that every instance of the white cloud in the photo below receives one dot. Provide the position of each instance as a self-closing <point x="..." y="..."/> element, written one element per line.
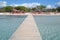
<point x="30" y="5"/>
<point x="14" y="5"/>
<point x="48" y="7"/>
<point x="3" y="3"/>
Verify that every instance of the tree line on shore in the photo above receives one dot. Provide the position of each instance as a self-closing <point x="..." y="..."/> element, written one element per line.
<point x="26" y="9"/>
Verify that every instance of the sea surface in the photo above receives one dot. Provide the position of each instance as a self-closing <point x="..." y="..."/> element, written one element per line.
<point x="9" y="24"/>
<point x="48" y="26"/>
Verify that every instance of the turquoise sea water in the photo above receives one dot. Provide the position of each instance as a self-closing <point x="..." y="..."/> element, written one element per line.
<point x="9" y="24"/>
<point x="48" y="26"/>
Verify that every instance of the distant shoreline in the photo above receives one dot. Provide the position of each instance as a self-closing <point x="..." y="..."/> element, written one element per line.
<point x="7" y="13"/>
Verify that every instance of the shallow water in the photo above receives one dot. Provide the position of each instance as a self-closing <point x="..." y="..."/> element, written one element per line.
<point x="9" y="24"/>
<point x="48" y="26"/>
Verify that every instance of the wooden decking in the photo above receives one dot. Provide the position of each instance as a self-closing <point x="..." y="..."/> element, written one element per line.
<point x="27" y="30"/>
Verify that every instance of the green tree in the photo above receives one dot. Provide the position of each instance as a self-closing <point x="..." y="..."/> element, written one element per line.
<point x="22" y="8"/>
<point x="38" y="8"/>
<point x="41" y="7"/>
<point x="7" y="8"/>
<point x="53" y="10"/>
<point x="33" y="9"/>
<point x="58" y="9"/>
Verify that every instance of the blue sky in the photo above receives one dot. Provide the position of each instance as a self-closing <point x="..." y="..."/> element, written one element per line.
<point x="41" y="2"/>
<point x="44" y="2"/>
